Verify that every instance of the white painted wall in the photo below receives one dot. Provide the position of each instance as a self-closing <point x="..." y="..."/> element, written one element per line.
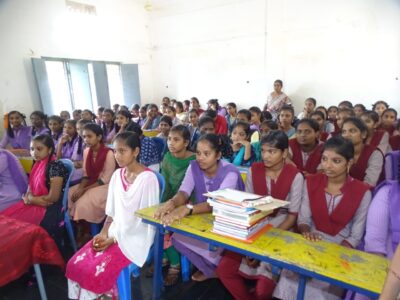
<point x="331" y="50"/>
<point x="38" y="28"/>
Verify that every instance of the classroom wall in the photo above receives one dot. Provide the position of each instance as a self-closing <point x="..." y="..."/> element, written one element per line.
<point x="233" y="50"/>
<point x="38" y="28"/>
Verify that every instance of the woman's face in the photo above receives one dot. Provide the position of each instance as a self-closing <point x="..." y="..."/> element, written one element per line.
<point x="194" y="104"/>
<point x="207" y="128"/>
<point x="358" y="111"/>
<point x="277" y="87"/>
<point x="124" y="155"/>
<point x="306" y="135"/>
<point x="121" y="120"/>
<point x="39" y="151"/>
<point x="64" y="115"/>
<point x="206" y="156"/>
<point x="176" y="143"/>
<point x="332" y="113"/>
<point x="107" y="117"/>
<point x="264" y="129"/>
<point x="238" y="134"/>
<point x="380" y="108"/>
<point x="319" y="120"/>
<point x="231" y="110"/>
<point x="170" y="113"/>
<point x="341" y="117"/>
<point x="285" y="118"/>
<point x="142" y="113"/>
<point x="177" y="108"/>
<point x="86" y="116"/>
<point x="193" y="118"/>
<point x="69" y="129"/>
<point x="371" y="125"/>
<point x="388" y="119"/>
<point x="15" y="120"/>
<point x="36" y="121"/>
<point x="90" y="138"/>
<point x="352" y="133"/>
<point x="164" y="128"/>
<point x="255" y="117"/>
<point x="272" y="156"/>
<point x="76" y="115"/>
<point x="55" y="126"/>
<point x="334" y="164"/>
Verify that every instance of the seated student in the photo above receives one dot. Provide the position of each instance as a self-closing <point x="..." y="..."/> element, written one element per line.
<point x="359" y="109"/>
<point x="214" y="105"/>
<point x="18" y="135"/>
<point x="376" y="138"/>
<point x="13" y="180"/>
<point x="243" y="152"/>
<point x="180" y="113"/>
<point x="207" y="126"/>
<point x="245" y="115"/>
<point x="368" y="160"/>
<point x="342" y="115"/>
<point x="379" y="107"/>
<point x="207" y="173"/>
<point x="134" y="110"/>
<point x="76" y="114"/>
<point x="345" y="104"/>
<point x="152" y="118"/>
<point x="282" y="181"/>
<point x="142" y="116"/>
<point x="173" y="168"/>
<point x="221" y="127"/>
<point x="164" y="127"/>
<point x="56" y="125"/>
<point x="334" y="208"/>
<point x="64" y="114"/>
<point x="39" y="123"/>
<point x="171" y="112"/>
<point x="231" y="116"/>
<point x="256" y="118"/>
<point x="328" y="126"/>
<point x="88" y="115"/>
<point x="124" y="122"/>
<point x="99" y="116"/>
<point x="319" y="117"/>
<point x="42" y="202"/>
<point x="286" y="116"/>
<point x="309" y="107"/>
<point x="71" y="146"/>
<point x="265" y="127"/>
<point x="193" y="127"/>
<point x="394" y="140"/>
<point x="332" y="114"/>
<point x="108" y="125"/>
<point x="124" y="238"/>
<point x="195" y="104"/>
<point x="388" y="121"/>
<point x="186" y="105"/>
<point x="305" y="149"/>
<point x="87" y="200"/>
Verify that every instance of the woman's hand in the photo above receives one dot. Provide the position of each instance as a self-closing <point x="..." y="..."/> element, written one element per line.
<point x="101" y="242"/>
<point x="175" y="215"/>
<point x="312" y="236"/>
<point x="165" y="209"/>
<point x="78" y="193"/>
<point x="65" y="138"/>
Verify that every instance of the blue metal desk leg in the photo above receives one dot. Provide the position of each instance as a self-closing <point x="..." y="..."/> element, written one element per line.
<point x="158" y="256"/>
<point x="39" y="280"/>
<point x="302" y="287"/>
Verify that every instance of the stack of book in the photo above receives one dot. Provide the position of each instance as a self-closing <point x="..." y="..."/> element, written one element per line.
<point x="241" y="215"/>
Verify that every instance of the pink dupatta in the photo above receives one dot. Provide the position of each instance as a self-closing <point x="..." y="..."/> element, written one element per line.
<point x="37" y="184"/>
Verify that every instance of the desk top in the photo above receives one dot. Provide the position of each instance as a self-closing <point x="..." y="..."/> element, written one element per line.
<point x="355" y="268"/>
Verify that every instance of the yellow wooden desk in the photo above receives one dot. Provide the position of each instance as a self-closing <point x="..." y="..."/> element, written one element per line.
<point x="150" y="133"/>
<point x="348" y="268"/>
<point x="27" y="163"/>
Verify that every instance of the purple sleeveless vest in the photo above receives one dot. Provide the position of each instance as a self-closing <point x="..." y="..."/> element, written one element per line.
<point x="200" y="185"/>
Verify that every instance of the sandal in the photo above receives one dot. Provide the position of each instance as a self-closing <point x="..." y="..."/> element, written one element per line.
<point x="150" y="270"/>
<point x="199" y="276"/>
<point x="172" y="276"/>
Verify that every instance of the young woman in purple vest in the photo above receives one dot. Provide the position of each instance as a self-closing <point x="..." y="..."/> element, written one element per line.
<point x="305" y="149"/>
<point x="207" y="173"/>
<point x="273" y="176"/>
<point x="368" y="160"/>
<point x="334" y="208"/>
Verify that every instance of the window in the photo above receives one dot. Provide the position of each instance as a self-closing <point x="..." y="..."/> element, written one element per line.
<point x="115" y="84"/>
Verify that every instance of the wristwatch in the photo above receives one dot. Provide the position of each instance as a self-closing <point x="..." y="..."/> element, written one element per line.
<point x="190" y="206"/>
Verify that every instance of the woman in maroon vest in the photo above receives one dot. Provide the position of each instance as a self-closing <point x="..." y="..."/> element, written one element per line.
<point x="282" y="181"/>
<point x="376" y="138"/>
<point x="305" y="150"/>
<point x="368" y="160"/>
<point x="334" y="208"/>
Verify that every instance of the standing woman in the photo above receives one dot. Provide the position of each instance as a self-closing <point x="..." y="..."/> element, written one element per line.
<point x="334" y="208"/>
<point x="280" y="180"/>
<point x="124" y="239"/>
<point x="173" y="168"/>
<point x="87" y="200"/>
<point x="108" y="125"/>
<point x="277" y="99"/>
<point x="207" y="173"/>
<point x="18" y="135"/>
<point x="368" y="160"/>
<point x="39" y="123"/>
<point x="42" y="202"/>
